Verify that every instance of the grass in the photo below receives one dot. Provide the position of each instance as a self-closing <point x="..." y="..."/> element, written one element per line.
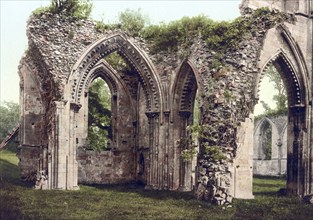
<point x="20" y="201"/>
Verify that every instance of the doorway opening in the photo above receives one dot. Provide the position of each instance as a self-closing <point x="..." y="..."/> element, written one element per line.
<point x="270" y="130"/>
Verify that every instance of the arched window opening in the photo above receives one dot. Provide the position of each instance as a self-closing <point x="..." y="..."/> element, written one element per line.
<point x="270" y="139"/>
<point x="111" y="123"/>
<point x="99" y="116"/>
<point x="272" y="96"/>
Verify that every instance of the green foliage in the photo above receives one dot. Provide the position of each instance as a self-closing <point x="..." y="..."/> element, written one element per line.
<point x="9" y="118"/>
<point x="180" y="32"/>
<point x="280" y="98"/>
<point x="228" y="95"/>
<point x="102" y="27"/>
<point x="219" y="36"/>
<point x="133" y="21"/>
<point x="117" y="62"/>
<point x="76" y="9"/>
<point x="214" y="153"/>
<point x="41" y="10"/>
<point x="188" y="154"/>
<point x="99" y="116"/>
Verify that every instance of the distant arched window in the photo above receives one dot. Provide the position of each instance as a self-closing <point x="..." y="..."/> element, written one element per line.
<point x="266" y="138"/>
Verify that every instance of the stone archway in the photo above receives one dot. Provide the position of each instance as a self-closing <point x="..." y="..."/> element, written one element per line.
<point x="116" y="164"/>
<point x="183" y="100"/>
<point x="289" y="62"/>
<point x="69" y="130"/>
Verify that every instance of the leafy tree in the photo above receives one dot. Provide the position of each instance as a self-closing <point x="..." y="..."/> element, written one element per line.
<point x="280" y="98"/>
<point x="99" y="115"/>
<point x="133" y="21"/>
<point x="9" y="118"/>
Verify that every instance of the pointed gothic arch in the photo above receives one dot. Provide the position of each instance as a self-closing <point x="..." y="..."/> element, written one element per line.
<point x="73" y="133"/>
<point x="136" y="58"/>
<point x="259" y="150"/>
<point x="289" y="61"/>
<point x="184" y="92"/>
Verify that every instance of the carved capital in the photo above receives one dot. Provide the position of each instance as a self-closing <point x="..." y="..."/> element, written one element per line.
<point x="59" y="104"/>
<point x="75" y="106"/>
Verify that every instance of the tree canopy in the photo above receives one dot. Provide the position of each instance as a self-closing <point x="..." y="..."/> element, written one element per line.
<point x="280" y="98"/>
<point x="9" y="118"/>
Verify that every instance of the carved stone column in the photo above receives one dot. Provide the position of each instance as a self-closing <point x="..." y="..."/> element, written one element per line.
<point x="153" y="169"/>
<point x="167" y="172"/>
<point x="62" y="165"/>
<point x="72" y="168"/>
<point x="58" y="170"/>
<point x="296" y="156"/>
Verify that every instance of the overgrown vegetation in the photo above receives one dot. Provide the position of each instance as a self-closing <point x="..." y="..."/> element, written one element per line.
<point x="219" y="36"/>
<point x="280" y="98"/>
<point x="19" y="201"/>
<point x="201" y="139"/>
<point x="75" y="9"/>
<point x="99" y="116"/>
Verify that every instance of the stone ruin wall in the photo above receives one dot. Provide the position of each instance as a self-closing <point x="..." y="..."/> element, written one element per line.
<point x="55" y="44"/>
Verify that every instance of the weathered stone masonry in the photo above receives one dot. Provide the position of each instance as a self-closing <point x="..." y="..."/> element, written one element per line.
<point x="153" y="104"/>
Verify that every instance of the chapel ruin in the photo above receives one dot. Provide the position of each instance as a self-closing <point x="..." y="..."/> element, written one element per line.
<point x="153" y="104"/>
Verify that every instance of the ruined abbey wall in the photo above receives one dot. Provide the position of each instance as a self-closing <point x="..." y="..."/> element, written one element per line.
<point x="153" y="105"/>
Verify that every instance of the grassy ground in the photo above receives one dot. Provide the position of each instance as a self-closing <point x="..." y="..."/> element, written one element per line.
<point x="19" y="201"/>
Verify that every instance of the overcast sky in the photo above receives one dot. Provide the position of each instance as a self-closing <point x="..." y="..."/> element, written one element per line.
<point x="14" y="15"/>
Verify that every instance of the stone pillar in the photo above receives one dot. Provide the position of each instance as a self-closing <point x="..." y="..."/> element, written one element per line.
<point x="62" y="165"/>
<point x="153" y="169"/>
<point x="58" y="174"/>
<point x="72" y="182"/>
<point x="242" y="172"/>
<point x="296" y="172"/>
<point x="167" y="173"/>
<point x="184" y="166"/>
